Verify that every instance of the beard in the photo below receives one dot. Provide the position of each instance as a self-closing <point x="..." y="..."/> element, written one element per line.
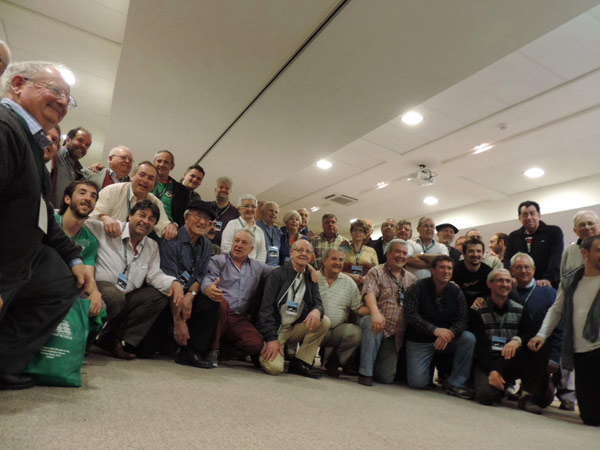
<point x="78" y="213"/>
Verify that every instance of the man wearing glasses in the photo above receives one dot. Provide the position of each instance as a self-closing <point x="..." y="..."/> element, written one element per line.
<point x="120" y="161"/>
<point x="291" y="312"/>
<point x="41" y="271"/>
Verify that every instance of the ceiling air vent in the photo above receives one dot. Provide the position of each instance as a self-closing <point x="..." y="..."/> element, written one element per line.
<point x="341" y="199"/>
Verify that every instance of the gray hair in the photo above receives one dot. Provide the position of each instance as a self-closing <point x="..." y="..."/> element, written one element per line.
<point x="270" y="203"/>
<point x="423" y="219"/>
<point x="118" y="147"/>
<point x="291" y="214"/>
<point x="390" y="244"/>
<point x="224" y="179"/>
<point x="249" y="231"/>
<point x="518" y="255"/>
<point x="247" y="197"/>
<point x="4" y="45"/>
<point x="165" y="151"/>
<point x="495" y="272"/>
<point x="26" y="69"/>
<point x="332" y="249"/>
<point x="581" y="213"/>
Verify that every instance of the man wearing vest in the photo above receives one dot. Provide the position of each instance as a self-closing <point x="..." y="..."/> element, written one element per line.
<point x="501" y="326"/>
<point x="578" y="304"/>
<point x="120" y="161"/>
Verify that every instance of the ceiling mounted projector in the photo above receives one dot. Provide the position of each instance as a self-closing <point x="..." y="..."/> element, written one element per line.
<point x="423" y="176"/>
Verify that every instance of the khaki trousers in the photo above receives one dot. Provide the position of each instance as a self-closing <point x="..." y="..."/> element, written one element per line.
<point x="294" y="333"/>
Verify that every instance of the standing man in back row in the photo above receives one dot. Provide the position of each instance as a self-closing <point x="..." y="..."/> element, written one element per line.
<point x="544" y="243"/>
<point x="173" y="195"/>
<point x="224" y="210"/>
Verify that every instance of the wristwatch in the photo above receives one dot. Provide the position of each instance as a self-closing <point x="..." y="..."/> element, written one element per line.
<point x="194" y="293"/>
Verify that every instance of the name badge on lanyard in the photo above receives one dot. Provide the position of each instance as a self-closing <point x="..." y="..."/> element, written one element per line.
<point x="356" y="270"/>
<point x="498" y="343"/>
<point x="122" y="281"/>
<point x="184" y="278"/>
<point x="218" y="225"/>
<point x="291" y="308"/>
<point x="273" y="251"/>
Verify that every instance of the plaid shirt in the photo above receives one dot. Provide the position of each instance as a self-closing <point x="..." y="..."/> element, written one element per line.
<point x="321" y="244"/>
<point x="380" y="282"/>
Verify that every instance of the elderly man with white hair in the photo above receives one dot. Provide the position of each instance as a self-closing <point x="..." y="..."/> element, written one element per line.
<point x="4" y="56"/>
<point x="41" y="271"/>
<point x="120" y="161"/>
<point x="247" y="205"/>
<point x="269" y="213"/>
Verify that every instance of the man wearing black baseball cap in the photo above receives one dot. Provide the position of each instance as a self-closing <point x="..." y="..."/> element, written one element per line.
<point x="186" y="258"/>
<point x="446" y="233"/>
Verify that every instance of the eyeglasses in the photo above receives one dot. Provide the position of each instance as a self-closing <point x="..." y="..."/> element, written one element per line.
<point x="586" y="224"/>
<point x="501" y="281"/>
<point x="124" y="158"/>
<point x="249" y="207"/>
<point x="301" y="250"/>
<point x="56" y="92"/>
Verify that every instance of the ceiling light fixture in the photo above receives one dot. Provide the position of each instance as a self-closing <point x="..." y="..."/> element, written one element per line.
<point x="67" y="75"/>
<point x="412" y="118"/>
<point x="381" y="184"/>
<point x="484" y="147"/>
<point x="534" y="172"/>
<point x="430" y="201"/>
<point x="353" y="220"/>
<point x="314" y="208"/>
<point x="324" y="164"/>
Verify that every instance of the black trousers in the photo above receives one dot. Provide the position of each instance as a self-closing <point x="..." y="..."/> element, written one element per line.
<point x="201" y="325"/>
<point x="587" y="386"/>
<point x="530" y="367"/>
<point x="33" y="309"/>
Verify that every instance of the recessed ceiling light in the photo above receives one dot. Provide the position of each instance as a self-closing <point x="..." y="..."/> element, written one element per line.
<point x="430" y="201"/>
<point x="314" y="208"/>
<point x="412" y="118"/>
<point x="324" y="164"/>
<point x="482" y="148"/>
<point x="353" y="220"/>
<point x="381" y="184"/>
<point x="534" y="172"/>
<point x="67" y="75"/>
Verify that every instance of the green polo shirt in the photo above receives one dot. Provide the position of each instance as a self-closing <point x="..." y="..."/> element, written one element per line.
<point x="86" y="240"/>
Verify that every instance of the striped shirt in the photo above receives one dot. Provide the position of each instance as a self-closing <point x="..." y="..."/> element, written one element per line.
<point x="339" y="298"/>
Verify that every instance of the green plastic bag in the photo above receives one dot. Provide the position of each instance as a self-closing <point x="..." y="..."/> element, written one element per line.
<point x="59" y="361"/>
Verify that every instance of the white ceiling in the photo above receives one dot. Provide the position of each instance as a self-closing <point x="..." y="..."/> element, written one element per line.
<point x="183" y="72"/>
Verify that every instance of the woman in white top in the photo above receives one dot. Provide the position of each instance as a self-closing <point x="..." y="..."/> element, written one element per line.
<point x="247" y="206"/>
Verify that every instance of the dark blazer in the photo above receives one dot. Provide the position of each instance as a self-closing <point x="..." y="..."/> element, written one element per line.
<point x="278" y="282"/>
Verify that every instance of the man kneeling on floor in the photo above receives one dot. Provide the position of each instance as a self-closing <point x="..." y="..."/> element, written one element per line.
<point x="438" y="316"/>
<point x="291" y="312"/>
<point x="129" y="278"/>
<point x="501" y="326"/>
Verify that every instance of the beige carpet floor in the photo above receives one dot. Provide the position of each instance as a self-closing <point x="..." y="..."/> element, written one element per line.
<point x="157" y="404"/>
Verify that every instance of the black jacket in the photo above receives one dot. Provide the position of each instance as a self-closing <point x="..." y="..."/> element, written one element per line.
<point x="181" y="198"/>
<point x="23" y="180"/>
<point x="278" y="282"/>
<point x="546" y="251"/>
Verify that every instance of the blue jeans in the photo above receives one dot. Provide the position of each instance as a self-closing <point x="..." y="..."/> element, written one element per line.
<point x="420" y="354"/>
<point x="378" y="355"/>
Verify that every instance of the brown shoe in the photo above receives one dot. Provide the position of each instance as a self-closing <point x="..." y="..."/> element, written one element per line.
<point x="113" y="346"/>
<point x="365" y="380"/>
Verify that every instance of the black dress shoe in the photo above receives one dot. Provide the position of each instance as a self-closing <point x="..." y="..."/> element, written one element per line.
<point x="301" y="368"/>
<point x="189" y="357"/>
<point x="113" y="346"/>
<point x="332" y="366"/>
<point x="9" y="381"/>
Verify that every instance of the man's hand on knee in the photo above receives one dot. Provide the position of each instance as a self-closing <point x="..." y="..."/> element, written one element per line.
<point x="270" y="350"/>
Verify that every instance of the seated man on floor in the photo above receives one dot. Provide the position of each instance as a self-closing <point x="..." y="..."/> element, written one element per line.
<point x="383" y="329"/>
<point x="501" y="326"/>
<point x="129" y="278"/>
<point x="537" y="300"/>
<point x="339" y="295"/>
<point x="185" y="258"/>
<point x="78" y="202"/>
<point x="291" y="312"/>
<point x="232" y="280"/>
<point x="438" y="317"/>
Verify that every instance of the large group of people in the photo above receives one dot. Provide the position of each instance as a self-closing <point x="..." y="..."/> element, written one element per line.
<point x="203" y="281"/>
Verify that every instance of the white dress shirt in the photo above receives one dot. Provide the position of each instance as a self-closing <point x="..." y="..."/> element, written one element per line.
<point x="115" y="253"/>
<point x="117" y="200"/>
